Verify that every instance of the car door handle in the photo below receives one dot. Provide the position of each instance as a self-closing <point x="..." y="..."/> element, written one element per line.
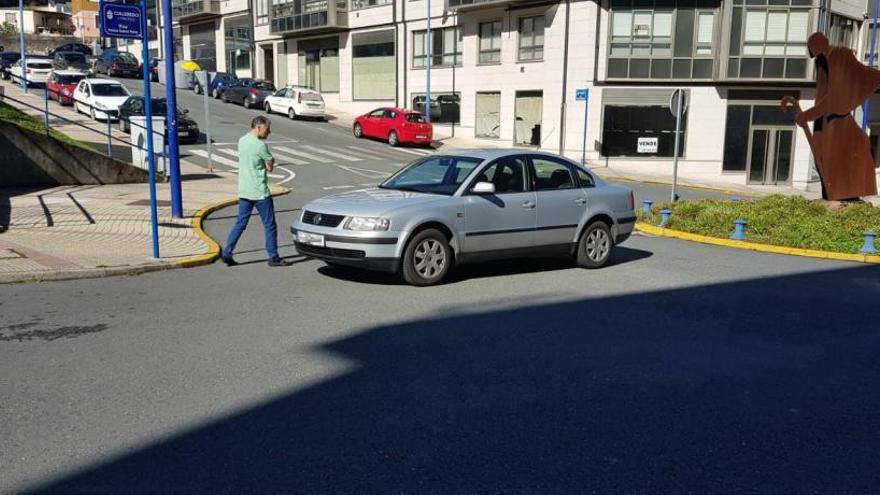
<point x="581" y="201"/>
<point x="528" y="205"/>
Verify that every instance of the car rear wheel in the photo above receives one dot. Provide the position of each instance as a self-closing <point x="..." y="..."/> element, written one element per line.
<point x="216" y="94"/>
<point x="427" y="258"/>
<point x="358" y="131"/>
<point x="246" y="103"/>
<point x="594" y="247"/>
<point x="197" y="89"/>
<point x="392" y="138"/>
<point x="291" y="113"/>
<point x="268" y="108"/>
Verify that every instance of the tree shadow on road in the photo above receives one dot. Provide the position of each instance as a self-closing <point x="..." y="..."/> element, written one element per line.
<point x="764" y="385"/>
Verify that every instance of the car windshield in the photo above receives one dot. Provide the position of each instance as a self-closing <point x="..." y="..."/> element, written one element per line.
<point x="69" y="79"/>
<point x="415" y="117"/>
<point x="265" y="86"/>
<point x="434" y="175"/>
<point x="39" y="65"/>
<point x="72" y="57"/>
<point x="126" y="58"/>
<point x="109" y="90"/>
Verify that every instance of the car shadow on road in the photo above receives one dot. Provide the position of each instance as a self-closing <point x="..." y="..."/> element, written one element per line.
<point x="703" y="388"/>
<point x="489" y="269"/>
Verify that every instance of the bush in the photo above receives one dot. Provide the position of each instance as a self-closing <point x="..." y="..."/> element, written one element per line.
<point x="791" y="221"/>
<point x="15" y="116"/>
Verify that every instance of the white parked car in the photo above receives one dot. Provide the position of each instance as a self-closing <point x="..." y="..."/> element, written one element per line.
<point x="296" y="101"/>
<point x="100" y="98"/>
<point x="36" y="72"/>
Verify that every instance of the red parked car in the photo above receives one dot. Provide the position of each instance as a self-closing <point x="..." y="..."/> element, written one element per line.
<point x="61" y="83"/>
<point x="396" y="125"/>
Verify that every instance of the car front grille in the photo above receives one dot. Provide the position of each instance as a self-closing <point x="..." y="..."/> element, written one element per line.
<point x="322" y="219"/>
<point x="326" y="252"/>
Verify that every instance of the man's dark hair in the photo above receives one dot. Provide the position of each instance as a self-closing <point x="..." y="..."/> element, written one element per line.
<point x="259" y="120"/>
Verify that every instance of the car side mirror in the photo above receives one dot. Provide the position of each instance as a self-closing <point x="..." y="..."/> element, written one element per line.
<point x="483" y="188"/>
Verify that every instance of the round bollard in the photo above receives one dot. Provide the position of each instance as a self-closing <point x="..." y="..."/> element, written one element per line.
<point x="646" y="206"/>
<point x="664" y="217"/>
<point x="739" y="230"/>
<point x="868" y="246"/>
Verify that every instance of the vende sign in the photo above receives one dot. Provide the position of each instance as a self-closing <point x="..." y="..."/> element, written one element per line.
<point x="647" y="145"/>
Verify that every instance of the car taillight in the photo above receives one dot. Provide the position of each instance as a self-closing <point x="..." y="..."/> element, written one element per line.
<point x="299" y="97"/>
<point x="253" y="92"/>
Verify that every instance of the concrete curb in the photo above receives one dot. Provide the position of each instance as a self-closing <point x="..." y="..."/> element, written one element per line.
<point x="203" y="259"/>
<point x="752" y="246"/>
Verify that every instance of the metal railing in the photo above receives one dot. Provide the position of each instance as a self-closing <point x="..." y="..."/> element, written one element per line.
<point x="60" y="97"/>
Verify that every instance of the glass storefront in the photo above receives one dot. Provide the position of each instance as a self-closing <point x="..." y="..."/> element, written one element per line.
<point x="318" y="64"/>
<point x="203" y="45"/>
<point x="372" y="66"/>
<point x="239" y="54"/>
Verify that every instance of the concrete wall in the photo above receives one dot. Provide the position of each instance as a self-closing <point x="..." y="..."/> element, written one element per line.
<point x="34" y="159"/>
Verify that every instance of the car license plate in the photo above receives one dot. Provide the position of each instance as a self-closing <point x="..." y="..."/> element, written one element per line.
<point x="422" y="136"/>
<point x="313" y="105"/>
<point x="182" y="134"/>
<point x="310" y="239"/>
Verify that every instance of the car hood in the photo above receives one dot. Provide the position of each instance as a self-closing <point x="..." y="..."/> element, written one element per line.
<point x="371" y="202"/>
<point x="111" y="101"/>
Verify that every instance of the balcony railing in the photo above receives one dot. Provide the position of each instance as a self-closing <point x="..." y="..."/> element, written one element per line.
<point x="308" y="15"/>
<point x="479" y="4"/>
<point x="190" y="10"/>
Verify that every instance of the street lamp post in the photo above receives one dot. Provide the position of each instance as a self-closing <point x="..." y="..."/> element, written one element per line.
<point x="171" y="115"/>
<point x="429" y="59"/>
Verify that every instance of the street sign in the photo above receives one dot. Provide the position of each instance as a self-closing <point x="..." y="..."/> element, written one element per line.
<point x="674" y="98"/>
<point x="581" y="94"/>
<point x="647" y="145"/>
<point x="121" y="20"/>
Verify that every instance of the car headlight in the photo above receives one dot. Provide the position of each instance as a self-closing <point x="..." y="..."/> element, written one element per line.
<point x="367" y="223"/>
<point x="65" y="92"/>
<point x="100" y="105"/>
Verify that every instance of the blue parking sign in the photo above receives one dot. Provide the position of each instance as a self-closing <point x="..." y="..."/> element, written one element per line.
<point x="581" y="94"/>
<point x="120" y="20"/>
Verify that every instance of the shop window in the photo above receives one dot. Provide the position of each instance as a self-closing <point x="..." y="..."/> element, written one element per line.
<point x="372" y="66"/>
<point x="445" y="107"/>
<point x="488" y="122"/>
<point x="640" y="131"/>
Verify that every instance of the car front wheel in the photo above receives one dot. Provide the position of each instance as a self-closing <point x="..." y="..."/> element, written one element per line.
<point x="216" y="94"/>
<point x="268" y="108"/>
<point x="291" y="114"/>
<point x="392" y="139"/>
<point x="358" y="131"/>
<point x="427" y="258"/>
<point x="594" y="247"/>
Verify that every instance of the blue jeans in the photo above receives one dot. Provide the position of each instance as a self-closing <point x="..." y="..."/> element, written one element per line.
<point x="266" y="208"/>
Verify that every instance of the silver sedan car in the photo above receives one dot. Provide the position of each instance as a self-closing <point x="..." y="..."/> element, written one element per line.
<point x="466" y="206"/>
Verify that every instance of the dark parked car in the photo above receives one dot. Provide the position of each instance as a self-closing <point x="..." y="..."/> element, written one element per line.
<point x="187" y="129"/>
<point x="7" y="60"/>
<point x="154" y="69"/>
<point x="219" y="81"/>
<point x="71" y="61"/>
<point x="72" y="47"/>
<point x="116" y="64"/>
<point x="248" y="92"/>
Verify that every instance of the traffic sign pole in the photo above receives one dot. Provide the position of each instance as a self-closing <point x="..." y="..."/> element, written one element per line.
<point x="584" y="94"/>
<point x="171" y="115"/>
<point x="148" y="113"/>
<point x="677" y="104"/>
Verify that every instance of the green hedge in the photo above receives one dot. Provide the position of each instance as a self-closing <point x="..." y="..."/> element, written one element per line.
<point x="15" y="116"/>
<point x="790" y="221"/>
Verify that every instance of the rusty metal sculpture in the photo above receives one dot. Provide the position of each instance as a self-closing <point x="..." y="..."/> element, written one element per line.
<point x="840" y="147"/>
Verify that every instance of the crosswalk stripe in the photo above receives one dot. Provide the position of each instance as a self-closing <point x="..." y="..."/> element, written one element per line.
<point x="218" y="159"/>
<point x="228" y="152"/>
<point x="304" y="154"/>
<point x="370" y="153"/>
<point x="365" y="172"/>
<point x="332" y="153"/>
<point x="288" y="160"/>
<point x="414" y="152"/>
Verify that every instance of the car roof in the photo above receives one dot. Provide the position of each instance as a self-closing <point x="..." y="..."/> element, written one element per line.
<point x="103" y="81"/>
<point x="39" y="59"/>
<point x="494" y="153"/>
<point x="69" y="72"/>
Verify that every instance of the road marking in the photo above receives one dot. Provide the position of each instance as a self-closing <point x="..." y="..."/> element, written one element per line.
<point x="290" y="175"/>
<point x="330" y="188"/>
<point x="332" y="153"/>
<point x="365" y="172"/>
<point x="218" y="159"/>
<point x="287" y="160"/>
<point x="228" y="152"/>
<point x="371" y="153"/>
<point x="304" y="155"/>
<point x="415" y="152"/>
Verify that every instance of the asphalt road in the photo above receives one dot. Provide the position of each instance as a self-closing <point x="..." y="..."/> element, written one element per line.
<point x="677" y="368"/>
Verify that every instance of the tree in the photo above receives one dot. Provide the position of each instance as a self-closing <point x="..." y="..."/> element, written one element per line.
<point x="8" y="28"/>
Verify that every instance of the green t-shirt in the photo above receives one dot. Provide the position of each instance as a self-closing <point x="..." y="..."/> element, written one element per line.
<point x="252" y="154"/>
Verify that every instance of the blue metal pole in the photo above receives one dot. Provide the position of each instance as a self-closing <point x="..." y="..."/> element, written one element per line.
<point x="171" y="115"/>
<point x="148" y="113"/>
<point x="584" y="144"/>
<point x="866" y="107"/>
<point x="429" y="60"/>
<point x="46" y="107"/>
<point x="21" y="42"/>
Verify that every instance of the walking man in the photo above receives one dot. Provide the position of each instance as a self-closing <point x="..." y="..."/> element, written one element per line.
<point x="254" y="162"/>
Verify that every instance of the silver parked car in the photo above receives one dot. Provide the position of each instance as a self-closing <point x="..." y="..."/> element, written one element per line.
<point x="465" y="206"/>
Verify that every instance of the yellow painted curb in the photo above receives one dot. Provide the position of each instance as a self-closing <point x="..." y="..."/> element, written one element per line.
<point x="753" y="246"/>
<point x="213" y="246"/>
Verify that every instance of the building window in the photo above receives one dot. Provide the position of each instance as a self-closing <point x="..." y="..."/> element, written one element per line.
<point x="445" y="48"/>
<point x="262" y="12"/>
<point x="531" y="38"/>
<point x="842" y="31"/>
<point x="640" y="131"/>
<point x="445" y="107"/>
<point x="365" y="4"/>
<point x="668" y="40"/>
<point x="11" y="19"/>
<point x="748" y="120"/>
<point x="490" y="42"/>
<point x="238" y="44"/>
<point x="372" y="64"/>
<point x="769" y="43"/>
<point x="318" y="64"/>
<point x="488" y="122"/>
<point x="203" y="45"/>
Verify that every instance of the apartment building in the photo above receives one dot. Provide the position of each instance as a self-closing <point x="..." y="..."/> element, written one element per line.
<point x="506" y="72"/>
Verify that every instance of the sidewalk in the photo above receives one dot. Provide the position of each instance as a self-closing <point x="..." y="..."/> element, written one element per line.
<point x="72" y="232"/>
